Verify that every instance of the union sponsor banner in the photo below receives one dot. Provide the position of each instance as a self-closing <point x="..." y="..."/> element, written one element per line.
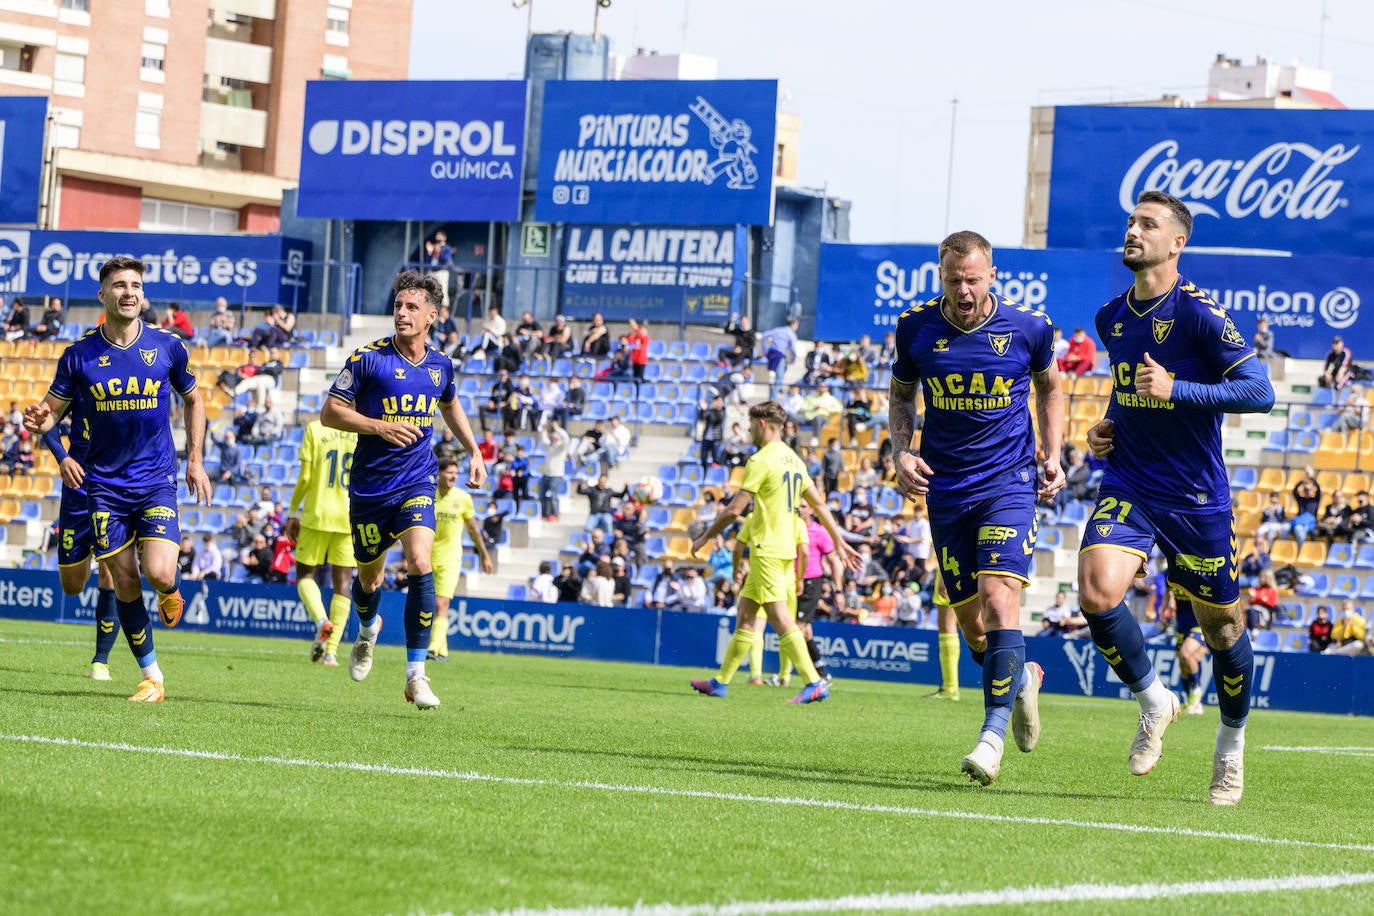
<point x="1287" y="181"/>
<point x="863" y="289"/>
<point x="684" y="152"/>
<point x="412" y="149"/>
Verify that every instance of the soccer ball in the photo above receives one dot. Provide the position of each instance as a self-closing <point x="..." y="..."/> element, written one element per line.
<point x="647" y="490"/>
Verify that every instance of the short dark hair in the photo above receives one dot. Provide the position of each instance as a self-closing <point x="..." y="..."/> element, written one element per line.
<point x="964" y="243"/>
<point x="1182" y="215"/>
<point x="446" y="463"/>
<point x="770" y="412"/>
<point x="118" y="263"/>
<point x="427" y="284"/>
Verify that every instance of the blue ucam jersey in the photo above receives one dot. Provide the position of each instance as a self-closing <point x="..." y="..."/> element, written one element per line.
<point x="124" y="405"/>
<point x="379" y="382"/>
<point x="1168" y="451"/>
<point x="978" y="436"/>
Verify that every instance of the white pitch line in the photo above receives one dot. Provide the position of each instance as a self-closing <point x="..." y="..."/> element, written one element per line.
<point x="1321" y="749"/>
<point x="168" y="648"/>
<point x="1073" y="893"/>
<point x="786" y="801"/>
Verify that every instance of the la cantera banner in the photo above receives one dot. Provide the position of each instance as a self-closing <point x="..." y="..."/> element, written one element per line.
<point x="1280" y="181"/>
<point x="864" y="288"/>
<point x="678" y="152"/>
<point x="413" y="149"/>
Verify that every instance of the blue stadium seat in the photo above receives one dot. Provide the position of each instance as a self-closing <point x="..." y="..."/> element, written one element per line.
<point x="1266" y="641"/>
<point x="644" y="411"/>
<point x="288" y="453"/>
<point x="4" y="533"/>
<point x="562" y="368"/>
<point x="701" y="351"/>
<point x="517" y="592"/>
<point x="1367" y="591"/>
<point x="668" y="473"/>
<point x="32" y="561"/>
<point x="653" y="372"/>
<point x="657" y="349"/>
<point x="327" y="339"/>
<point x="295" y="435"/>
<point x="887" y="501"/>
<point x="659" y="518"/>
<point x="29" y="511"/>
<point x="697" y="373"/>
<point x="192" y="520"/>
<point x="70" y="331"/>
<point x="306" y="337"/>
<point x="686" y="494"/>
<point x="1364" y="557"/>
<point x="1340" y="554"/>
<point x="1075" y="513"/>
<point x="223" y="495"/>
<point x="1295" y="642"/>
<point x="1327" y="419"/>
<point x="1244" y="478"/>
<point x="646" y="575"/>
<point x="470" y="385"/>
<point x="1323" y="397"/>
<point x="1345" y="585"/>
<point x="674" y="372"/>
<point x="215" y="521"/>
<point x="1049" y="538"/>
<point x="716" y="477"/>
<point x="602" y="391"/>
<point x="687" y="413"/>
<point x="50" y="562"/>
<point x="585" y="368"/>
<point x="1277" y="441"/>
<point x="1318" y="587"/>
<point x="691" y="473"/>
<point x="237" y="573"/>
<point x="299" y="360"/>
<point x="1300" y="419"/>
<point x="648" y="392"/>
<point x="655" y="546"/>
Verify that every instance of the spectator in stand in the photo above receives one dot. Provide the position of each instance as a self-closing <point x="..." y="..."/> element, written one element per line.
<point x="178" y="322"/>
<point x="745" y="341"/>
<point x="493" y="332"/>
<point x="615" y="444"/>
<point x="220" y="331"/>
<point x="558" y="341"/>
<point x="1351" y="417"/>
<point x="908" y="611"/>
<point x="597" y="342"/>
<point x="791" y="435"/>
<point x="1254" y="563"/>
<point x="1337" y="370"/>
<point x="208" y="561"/>
<point x="706" y="514"/>
<point x="487" y="448"/>
<point x="443" y="334"/>
<point x="884" y="607"/>
<point x="556" y="442"/>
<point x="1319" y="630"/>
<point x="1059" y="346"/>
<point x="520" y="477"/>
<point x="521" y="408"/>
<point x="492" y="525"/>
<point x="1082" y="353"/>
<point x="620" y="361"/>
<point x="721" y="562"/>
<point x="600" y="506"/>
<point x="50" y="322"/>
<point x="855" y="371"/>
<point x="1361" y="519"/>
<point x="1273" y="520"/>
<point x="255" y="377"/>
<point x="1348" y="632"/>
<point x="865" y="475"/>
<point x="638" y="340"/>
<point x="529" y="336"/>
<point x="243" y="529"/>
<point x="258" y="559"/>
<point x="1307" y="494"/>
<point x="446" y="446"/>
<point x="620" y="578"/>
<point x="1263" y="603"/>
<point x="1334" y="523"/>
<point x="632" y="525"/>
<point x="585" y="450"/>
<point x="185" y="555"/>
<point x="779" y="347"/>
<point x="858" y="413"/>
<point x="22" y="462"/>
<point x="737" y="448"/>
<point x="17" y="321"/>
<point x="1263" y="341"/>
<point x="552" y="403"/>
<point x="918" y="538"/>
<point x="664" y="591"/>
<point x="510" y="357"/>
<point x="542" y="588"/>
<point x="832" y="465"/>
<point x="594" y="549"/>
<point x="498" y="398"/>
<point x="1077" y="481"/>
<point x="598" y="588"/>
<point x="712" y="417"/>
<point x="818" y="365"/>
<point x="568" y="583"/>
<point x="820" y="406"/>
<point x="691" y="596"/>
<point x="275" y="330"/>
<point x="232" y="469"/>
<point x="792" y="403"/>
<point x="574" y="401"/>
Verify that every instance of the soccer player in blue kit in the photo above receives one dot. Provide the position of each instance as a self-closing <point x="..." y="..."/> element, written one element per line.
<point x="388" y="394"/>
<point x="124" y="372"/>
<point x="974" y="356"/>
<point x="1178" y="364"/>
<point x="76" y="546"/>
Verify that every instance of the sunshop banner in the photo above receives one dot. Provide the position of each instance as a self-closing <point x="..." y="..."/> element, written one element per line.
<point x="863" y="289"/>
<point x="678" y="152"/>
<point x="22" y="122"/>
<point x="1288" y="181"/>
<point x="655" y="273"/>
<point x="401" y="149"/>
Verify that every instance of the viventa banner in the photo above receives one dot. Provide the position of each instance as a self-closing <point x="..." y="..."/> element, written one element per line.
<point x="683" y="152"/>
<point x="412" y="150"/>
<point x="1281" y="181"/>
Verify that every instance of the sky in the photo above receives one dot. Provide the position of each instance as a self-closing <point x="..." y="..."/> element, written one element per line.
<point x="874" y="80"/>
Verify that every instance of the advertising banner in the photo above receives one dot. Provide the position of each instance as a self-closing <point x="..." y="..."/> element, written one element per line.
<point x="1302" y="681"/>
<point x="684" y="152"/>
<point x="864" y="288"/>
<point x="242" y="268"/>
<point x="413" y="149"/>
<point x="1281" y="181"/>
<point x="654" y="273"/>
<point x="23" y="120"/>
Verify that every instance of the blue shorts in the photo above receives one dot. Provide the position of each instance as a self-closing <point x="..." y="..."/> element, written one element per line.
<point x="993" y="535"/>
<point x="74" y="522"/>
<point x="1200" y="547"/>
<point x="377" y="523"/>
<point x="118" y="518"/>
<point x="1187" y="627"/>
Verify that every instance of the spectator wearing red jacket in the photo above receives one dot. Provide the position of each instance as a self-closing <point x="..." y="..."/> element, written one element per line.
<point x="177" y="322"/>
<point x="639" y="349"/>
<point x="1082" y="354"/>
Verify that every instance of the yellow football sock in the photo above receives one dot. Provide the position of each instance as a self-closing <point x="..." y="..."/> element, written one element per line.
<point x="756" y="657"/>
<point x="735" y="653"/>
<point x="785" y="668"/>
<point x="792" y="646"/>
<point x="339" y="608"/>
<point x="309" y="590"/>
<point x="438" y="635"/>
<point x="949" y="662"/>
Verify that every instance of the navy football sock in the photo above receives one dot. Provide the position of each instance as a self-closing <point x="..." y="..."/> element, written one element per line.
<point x="106" y="625"/>
<point x="1121" y="643"/>
<point x="133" y="617"/>
<point x="1186" y="682"/>
<point x="366" y="602"/>
<point x="1005" y="657"/>
<point x="419" y="615"/>
<point x="1234" y="670"/>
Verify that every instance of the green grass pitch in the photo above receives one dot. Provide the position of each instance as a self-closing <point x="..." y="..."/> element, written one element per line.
<point x="267" y="784"/>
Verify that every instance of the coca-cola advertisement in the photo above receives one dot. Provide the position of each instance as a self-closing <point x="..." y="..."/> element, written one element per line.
<point x="1294" y="182"/>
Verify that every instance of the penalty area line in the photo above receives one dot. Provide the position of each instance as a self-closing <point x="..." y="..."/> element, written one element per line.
<point x="668" y="792"/>
<point x="1073" y="893"/>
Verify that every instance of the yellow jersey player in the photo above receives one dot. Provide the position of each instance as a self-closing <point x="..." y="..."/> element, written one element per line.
<point x="742" y="540"/>
<point x="453" y="514"/>
<point x="775" y="480"/>
<point x="321" y="533"/>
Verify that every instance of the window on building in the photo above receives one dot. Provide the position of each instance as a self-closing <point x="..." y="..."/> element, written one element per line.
<point x="81" y="6"/>
<point x="69" y="68"/>
<point x="162" y="9"/>
<point x="337" y="21"/>
<point x="154" y="56"/>
<point x="148" y="127"/>
<point x="17" y="57"/>
<point x="175" y="216"/>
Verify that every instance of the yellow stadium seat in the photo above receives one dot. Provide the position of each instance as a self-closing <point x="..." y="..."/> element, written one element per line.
<point x="1295" y="477"/>
<point x="1251" y="500"/>
<point x="1283" y="552"/>
<point x="736" y="477"/>
<point x="682" y="518"/>
<point x="680" y="547"/>
<point x="1329" y="481"/>
<point x="1247" y="522"/>
<point x="1312" y="553"/>
<point x="1356" y="482"/>
<point x="1270" y="480"/>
